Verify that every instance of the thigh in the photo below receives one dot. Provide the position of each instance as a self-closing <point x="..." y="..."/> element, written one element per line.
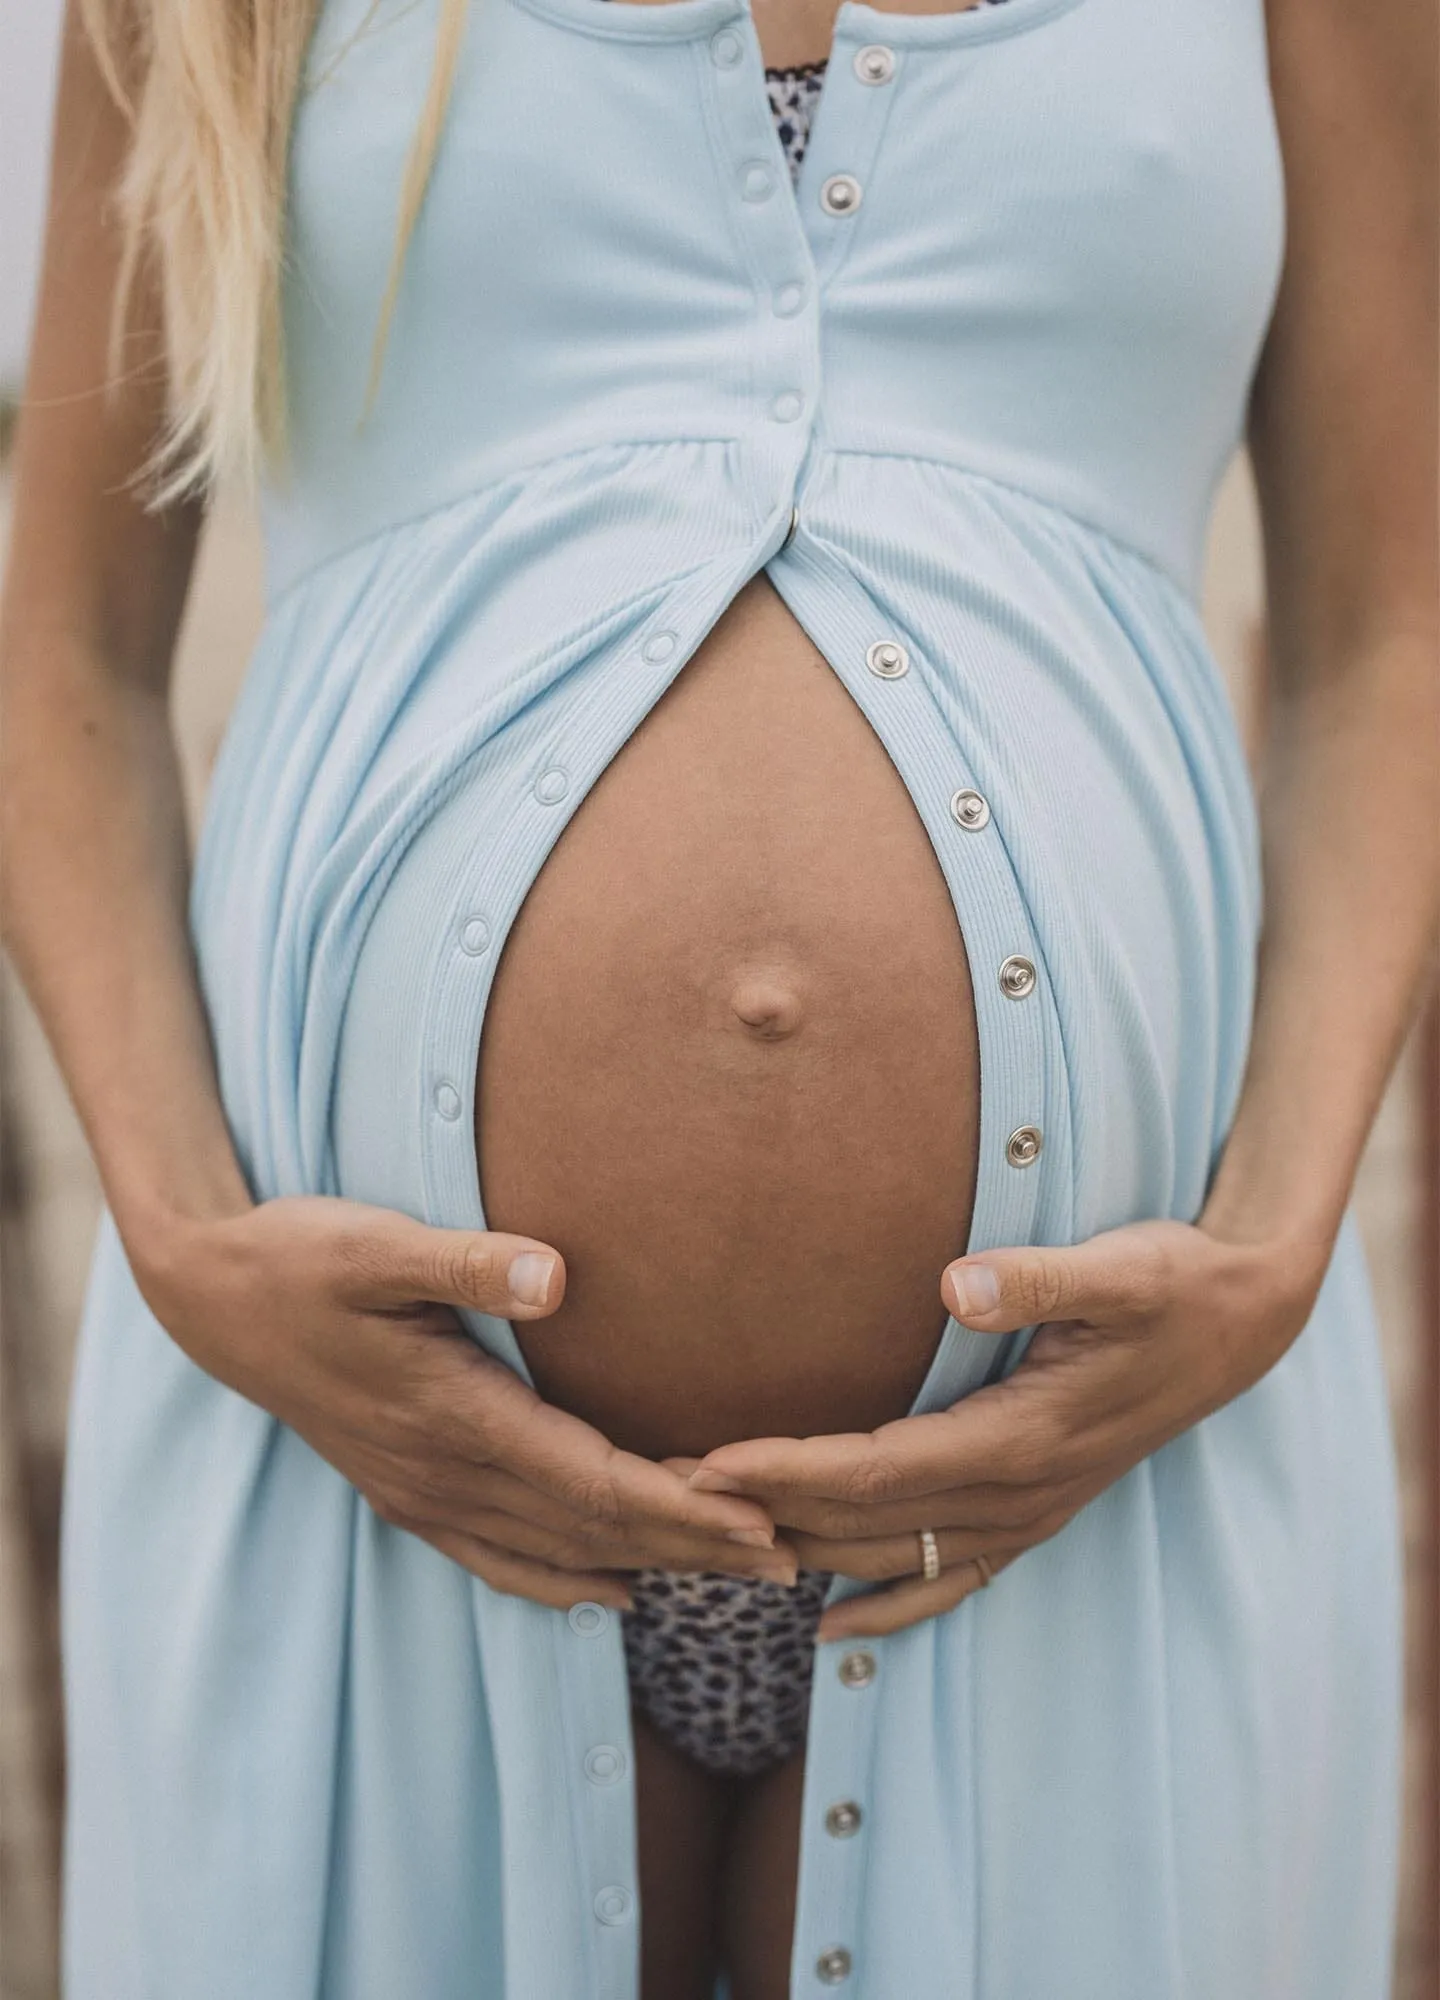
<point x="760" y="1867"/>
<point x="680" y="1820"/>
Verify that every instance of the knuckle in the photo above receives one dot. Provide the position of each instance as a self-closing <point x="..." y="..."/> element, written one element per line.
<point x="1046" y="1286"/>
<point x="592" y="1498"/>
<point x="873" y="1480"/>
<point x="361" y="1262"/>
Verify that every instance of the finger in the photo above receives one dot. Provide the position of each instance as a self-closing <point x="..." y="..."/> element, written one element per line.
<point x="519" y="1577"/>
<point x="895" y="1558"/>
<point x="1120" y="1274"/>
<point x="880" y="1612"/>
<point x="563" y="1549"/>
<point x="389" y="1258"/>
<point x="502" y="1492"/>
<point x="559" y="1454"/>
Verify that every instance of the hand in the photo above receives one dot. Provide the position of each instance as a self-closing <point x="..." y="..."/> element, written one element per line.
<point x="336" y="1318"/>
<point x="1142" y="1331"/>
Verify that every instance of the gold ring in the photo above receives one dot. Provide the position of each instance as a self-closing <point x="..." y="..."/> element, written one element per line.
<point x="982" y="1564"/>
<point x="929" y="1555"/>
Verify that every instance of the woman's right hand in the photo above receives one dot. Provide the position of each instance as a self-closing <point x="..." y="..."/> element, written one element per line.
<point x="336" y="1317"/>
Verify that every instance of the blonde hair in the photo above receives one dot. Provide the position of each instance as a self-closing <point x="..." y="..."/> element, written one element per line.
<point x="209" y="89"/>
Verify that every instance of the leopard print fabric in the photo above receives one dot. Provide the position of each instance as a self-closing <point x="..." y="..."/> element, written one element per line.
<point x="721" y="1666"/>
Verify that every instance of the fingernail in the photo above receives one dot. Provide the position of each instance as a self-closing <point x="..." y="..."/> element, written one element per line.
<point x="529" y="1278"/>
<point x="714" y="1482"/>
<point x="753" y="1538"/>
<point x="976" y="1288"/>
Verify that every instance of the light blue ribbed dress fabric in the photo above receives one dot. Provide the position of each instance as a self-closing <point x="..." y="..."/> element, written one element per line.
<point x="312" y="1760"/>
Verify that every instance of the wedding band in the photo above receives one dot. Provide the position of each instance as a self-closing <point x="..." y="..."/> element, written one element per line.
<point x="984" y="1568"/>
<point x="930" y="1555"/>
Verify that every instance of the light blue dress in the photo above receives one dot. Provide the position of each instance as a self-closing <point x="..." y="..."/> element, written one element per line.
<point x="981" y="410"/>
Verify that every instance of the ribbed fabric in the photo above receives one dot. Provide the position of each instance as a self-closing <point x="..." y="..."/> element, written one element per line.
<point x="311" y="1759"/>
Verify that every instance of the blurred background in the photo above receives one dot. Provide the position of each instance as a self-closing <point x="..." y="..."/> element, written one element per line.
<point x="49" y="1198"/>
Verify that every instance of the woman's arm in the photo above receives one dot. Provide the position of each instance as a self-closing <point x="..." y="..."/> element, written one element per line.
<point x="1147" y="1329"/>
<point x="324" y="1312"/>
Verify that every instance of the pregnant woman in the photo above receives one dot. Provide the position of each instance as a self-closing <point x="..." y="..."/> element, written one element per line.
<point x="726" y="1352"/>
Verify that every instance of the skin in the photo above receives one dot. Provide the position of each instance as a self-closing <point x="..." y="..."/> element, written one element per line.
<point x="334" y="1317"/>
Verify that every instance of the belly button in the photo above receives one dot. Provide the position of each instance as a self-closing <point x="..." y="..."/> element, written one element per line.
<point x="769" y="1011"/>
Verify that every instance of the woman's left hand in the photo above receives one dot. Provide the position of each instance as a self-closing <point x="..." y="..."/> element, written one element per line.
<point x="1142" y="1331"/>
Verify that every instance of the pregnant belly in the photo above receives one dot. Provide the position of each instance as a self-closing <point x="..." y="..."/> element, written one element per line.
<point x="729" y="1065"/>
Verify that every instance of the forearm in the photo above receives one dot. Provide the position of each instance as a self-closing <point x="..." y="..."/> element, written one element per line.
<point x="94" y="881"/>
<point x="1350" y="808"/>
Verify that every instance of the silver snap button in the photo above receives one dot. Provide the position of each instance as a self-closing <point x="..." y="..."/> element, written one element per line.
<point x="843" y="1819"/>
<point x="832" y="1967"/>
<point x="614" y="1904"/>
<point x="1022" y="1148"/>
<point x="1017" y="978"/>
<point x="857" y="1670"/>
<point x="726" y="48"/>
<point x="970" y="810"/>
<point x="474" y="936"/>
<point x="757" y="181"/>
<point x="887" y="658"/>
<point x="604" y="1765"/>
<point x="659" y="646"/>
<point x="588" y="1619"/>
<point x="787" y="406"/>
<point x="790" y="531"/>
<point x="551" y="786"/>
<point x="447" y="1100"/>
<point x="874" y="63"/>
<point x="840" y="194"/>
<point x="789" y="298"/>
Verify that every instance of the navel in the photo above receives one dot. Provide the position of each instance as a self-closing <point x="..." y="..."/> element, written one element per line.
<point x="769" y="1008"/>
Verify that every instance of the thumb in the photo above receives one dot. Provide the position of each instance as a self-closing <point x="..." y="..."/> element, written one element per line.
<point x="1122" y="1273"/>
<point x="486" y="1270"/>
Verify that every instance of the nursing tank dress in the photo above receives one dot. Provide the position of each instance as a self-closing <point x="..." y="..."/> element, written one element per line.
<point x="964" y="393"/>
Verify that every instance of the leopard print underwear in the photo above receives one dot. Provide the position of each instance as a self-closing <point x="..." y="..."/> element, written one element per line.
<point x="721" y="1666"/>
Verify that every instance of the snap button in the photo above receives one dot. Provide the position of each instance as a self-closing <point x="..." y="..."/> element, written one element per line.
<point x="857" y="1670"/>
<point x="659" y="646"/>
<point x="1017" y="978"/>
<point x="588" y="1619"/>
<point x="551" y="786"/>
<point x="874" y="63"/>
<point x="614" y="1904"/>
<point x="787" y="406"/>
<point x="789" y="298"/>
<point x="604" y="1764"/>
<point x="447" y="1100"/>
<point x="843" y="1819"/>
<point x="474" y="936"/>
<point x="726" y="48"/>
<point x="887" y="658"/>
<point x="790" y="531"/>
<point x="757" y="181"/>
<point x="840" y="194"/>
<point x="970" y="810"/>
<point x="1022" y="1148"/>
<point x="832" y="1967"/>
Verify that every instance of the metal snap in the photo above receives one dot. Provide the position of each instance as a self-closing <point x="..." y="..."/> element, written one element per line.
<point x="1017" y="978"/>
<point x="843" y="1819"/>
<point x="1022" y="1148"/>
<point x="857" y="1670"/>
<point x="840" y="194"/>
<point x="970" y="810"/>
<point x="588" y="1618"/>
<point x="832" y="1967"/>
<point x="613" y="1904"/>
<point x="887" y="658"/>
<point x="874" y="63"/>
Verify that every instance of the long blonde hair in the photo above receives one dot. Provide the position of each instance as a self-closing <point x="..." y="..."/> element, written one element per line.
<point x="209" y="89"/>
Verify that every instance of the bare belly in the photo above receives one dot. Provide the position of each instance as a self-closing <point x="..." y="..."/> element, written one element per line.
<point x="729" y="1065"/>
